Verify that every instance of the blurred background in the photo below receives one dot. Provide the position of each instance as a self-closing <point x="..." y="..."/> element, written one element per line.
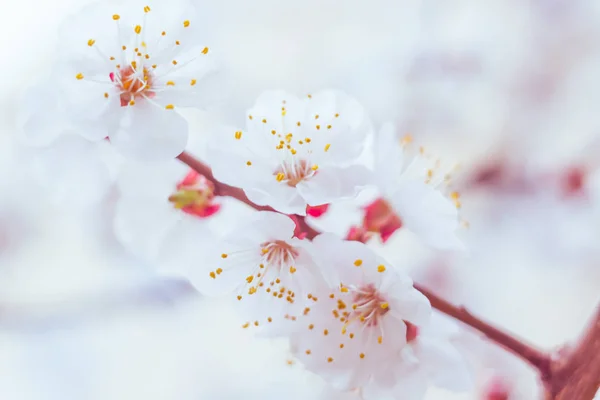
<point x="509" y="89"/>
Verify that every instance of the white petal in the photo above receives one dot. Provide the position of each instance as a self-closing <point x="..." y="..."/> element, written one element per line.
<point x="412" y="306"/>
<point x="331" y="184"/>
<point x="428" y="214"/>
<point x="448" y="366"/>
<point x="389" y="158"/>
<point x="278" y="195"/>
<point x="73" y="171"/>
<point x="148" y="133"/>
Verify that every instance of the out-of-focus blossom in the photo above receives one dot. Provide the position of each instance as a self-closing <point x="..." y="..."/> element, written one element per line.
<point x="410" y="195"/>
<point x="354" y="331"/>
<point x="295" y="152"/>
<point x="161" y="203"/>
<point x="124" y="68"/>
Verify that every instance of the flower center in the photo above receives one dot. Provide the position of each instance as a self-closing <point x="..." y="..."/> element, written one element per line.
<point x="368" y="306"/>
<point x="133" y="83"/>
<point x="278" y="253"/>
<point x="294" y="172"/>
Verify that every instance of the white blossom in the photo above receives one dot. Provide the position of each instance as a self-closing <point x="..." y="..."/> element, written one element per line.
<point x="123" y="70"/>
<point x="354" y="330"/>
<point x="295" y="152"/>
<point x="410" y="195"/>
<point x="269" y="271"/>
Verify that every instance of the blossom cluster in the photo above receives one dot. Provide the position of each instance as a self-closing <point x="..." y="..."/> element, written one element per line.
<point x="125" y="72"/>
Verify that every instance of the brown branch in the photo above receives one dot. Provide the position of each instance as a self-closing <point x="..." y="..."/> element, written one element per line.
<point x="576" y="374"/>
<point x="573" y="377"/>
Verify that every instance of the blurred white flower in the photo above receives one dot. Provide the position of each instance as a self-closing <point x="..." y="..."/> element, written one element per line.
<point x="123" y="70"/>
<point x="410" y="195"/>
<point x="270" y="271"/>
<point x="295" y="152"/>
<point x="162" y="203"/>
<point x="353" y="332"/>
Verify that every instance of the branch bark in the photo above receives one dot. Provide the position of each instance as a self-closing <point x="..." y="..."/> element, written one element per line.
<point x="576" y="374"/>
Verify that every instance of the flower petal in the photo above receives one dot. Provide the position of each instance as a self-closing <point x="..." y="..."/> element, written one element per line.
<point x="148" y="133"/>
<point x="428" y="214"/>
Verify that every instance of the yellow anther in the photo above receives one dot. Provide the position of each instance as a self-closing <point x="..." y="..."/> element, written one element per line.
<point x="205" y="50"/>
<point x="124" y="47"/>
<point x="307" y="140"/>
<point x="264" y="120"/>
<point x="381" y="268"/>
<point x="318" y="126"/>
<point x="146" y="9"/>
<point x="454" y="195"/>
<point x="169" y="83"/>
<point x="174" y="62"/>
<point x="358" y="262"/>
<point x="309" y="96"/>
<point x="169" y="107"/>
<point x="250" y="117"/>
<point x="213" y="275"/>
<point x="298" y="123"/>
<point x="314" y="167"/>
<point x="273" y="132"/>
<point x="147" y="57"/>
<point x="238" y="135"/>
<point x="248" y="163"/>
<point x="337" y="115"/>
<point x="106" y="95"/>
<point x="223" y="255"/>
<point x="154" y="66"/>
<point x="163" y="33"/>
<point x="344" y="289"/>
<point x="330" y="359"/>
<point x="311" y="326"/>
<point x="112" y="58"/>
<point x="193" y="82"/>
<point x="134" y="64"/>
<point x="219" y="271"/>
<point x="177" y="42"/>
<point x="280" y="176"/>
<point x="292" y="269"/>
<point x="79" y="76"/>
<point x="328" y="126"/>
<point x="283" y="112"/>
<point x="327" y="146"/>
<point x="380" y="340"/>
<point x="362" y="355"/>
<point x="308" y="352"/>
<point x="116" y="17"/>
<point x="351" y="336"/>
<point x="341" y="345"/>
<point x="293" y="151"/>
<point x="249" y="279"/>
<point x="252" y="290"/>
<point x="239" y="297"/>
<point x="255" y="323"/>
<point x="261" y="266"/>
<point x="384" y="305"/>
<point x="246" y="325"/>
<point x="317" y="116"/>
<point x="325" y="332"/>
<point x="186" y="23"/>
<point x="137" y="29"/>
<point x="132" y="103"/>
<point x="91" y="42"/>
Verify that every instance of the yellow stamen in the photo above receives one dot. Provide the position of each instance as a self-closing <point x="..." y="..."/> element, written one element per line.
<point x="91" y="42"/>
